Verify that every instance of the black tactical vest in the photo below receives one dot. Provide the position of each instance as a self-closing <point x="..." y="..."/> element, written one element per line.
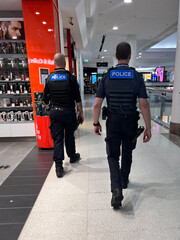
<point x="120" y="92"/>
<point x="60" y="90"/>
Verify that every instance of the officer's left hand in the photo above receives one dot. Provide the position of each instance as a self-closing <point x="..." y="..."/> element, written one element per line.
<point x="98" y="130"/>
<point x="82" y="117"/>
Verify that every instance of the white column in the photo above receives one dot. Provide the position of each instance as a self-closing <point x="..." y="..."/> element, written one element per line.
<point x="131" y="39"/>
<point x="175" y="115"/>
<point x="115" y="61"/>
<point x="61" y="28"/>
<point x="80" y="72"/>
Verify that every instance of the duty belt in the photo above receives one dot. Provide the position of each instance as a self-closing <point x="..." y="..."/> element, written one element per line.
<point x="62" y="108"/>
<point x="121" y="115"/>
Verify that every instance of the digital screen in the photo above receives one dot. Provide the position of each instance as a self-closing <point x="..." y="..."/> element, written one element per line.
<point x="154" y="77"/>
<point x="44" y="72"/>
<point x="94" y="78"/>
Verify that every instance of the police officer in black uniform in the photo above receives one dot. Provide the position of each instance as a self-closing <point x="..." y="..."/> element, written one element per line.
<point x="62" y="91"/>
<point x="121" y="86"/>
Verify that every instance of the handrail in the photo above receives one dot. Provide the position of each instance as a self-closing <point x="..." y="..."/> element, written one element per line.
<point x="159" y="90"/>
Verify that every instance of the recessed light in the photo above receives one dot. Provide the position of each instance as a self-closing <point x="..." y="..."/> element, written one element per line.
<point x="105" y="50"/>
<point x="128" y="1"/>
<point x="44" y="22"/>
<point x="102" y="57"/>
<point x="140" y="53"/>
<point x="115" y="28"/>
<point x="139" y="56"/>
<point x="37" y="13"/>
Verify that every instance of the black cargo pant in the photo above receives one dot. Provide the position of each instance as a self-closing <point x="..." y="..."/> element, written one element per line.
<point x="62" y="121"/>
<point x="118" y="132"/>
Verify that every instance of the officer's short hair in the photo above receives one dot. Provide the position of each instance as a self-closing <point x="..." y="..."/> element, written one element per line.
<point x="123" y="50"/>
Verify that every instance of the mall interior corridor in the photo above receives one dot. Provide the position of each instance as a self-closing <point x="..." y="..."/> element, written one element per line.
<point x="77" y="206"/>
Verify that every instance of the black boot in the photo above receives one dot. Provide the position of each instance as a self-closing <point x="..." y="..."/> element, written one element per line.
<point x="117" y="197"/>
<point x="75" y="158"/>
<point x="59" y="170"/>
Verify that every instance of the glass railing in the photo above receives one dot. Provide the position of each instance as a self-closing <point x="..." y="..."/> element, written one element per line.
<point x="160" y="101"/>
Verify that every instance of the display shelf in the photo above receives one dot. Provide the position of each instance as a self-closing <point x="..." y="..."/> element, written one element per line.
<point x="13" y="55"/>
<point x="15" y="95"/>
<point x="15" y="81"/>
<point x="17" y="129"/>
<point x="17" y="108"/>
<point x="12" y="40"/>
<point x="16" y="122"/>
<point x="14" y="68"/>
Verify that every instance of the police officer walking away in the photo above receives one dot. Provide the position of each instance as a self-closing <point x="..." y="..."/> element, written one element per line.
<point x="62" y="90"/>
<point x="121" y="86"/>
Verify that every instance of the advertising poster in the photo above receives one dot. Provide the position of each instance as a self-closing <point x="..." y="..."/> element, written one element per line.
<point x="11" y="29"/>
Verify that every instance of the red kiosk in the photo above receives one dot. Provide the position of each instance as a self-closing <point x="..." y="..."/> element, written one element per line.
<point x="42" y="34"/>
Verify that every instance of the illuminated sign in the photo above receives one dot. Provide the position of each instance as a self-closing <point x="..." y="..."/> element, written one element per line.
<point x="41" y="61"/>
<point x="160" y="74"/>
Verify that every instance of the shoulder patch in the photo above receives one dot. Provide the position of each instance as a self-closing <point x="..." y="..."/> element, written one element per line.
<point x="58" y="77"/>
<point x="121" y="74"/>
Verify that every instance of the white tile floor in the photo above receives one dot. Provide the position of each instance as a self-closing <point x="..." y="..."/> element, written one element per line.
<point x="78" y="205"/>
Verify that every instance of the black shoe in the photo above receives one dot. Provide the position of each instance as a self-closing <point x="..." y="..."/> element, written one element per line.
<point x="117" y="198"/>
<point x="125" y="184"/>
<point x="75" y="158"/>
<point x="59" y="171"/>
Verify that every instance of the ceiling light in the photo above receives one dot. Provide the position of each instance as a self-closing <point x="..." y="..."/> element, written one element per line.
<point x="102" y="57"/>
<point x="44" y="22"/>
<point x="115" y="28"/>
<point x="105" y="50"/>
<point x="50" y="30"/>
<point x="140" y="53"/>
<point x="139" y="56"/>
<point x="14" y="37"/>
<point x="128" y="1"/>
<point x="37" y="13"/>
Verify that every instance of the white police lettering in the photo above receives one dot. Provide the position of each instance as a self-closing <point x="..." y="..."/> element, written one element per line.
<point x="121" y="74"/>
<point x="59" y="77"/>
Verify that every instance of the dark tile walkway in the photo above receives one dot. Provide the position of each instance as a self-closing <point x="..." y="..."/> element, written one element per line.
<point x="19" y="191"/>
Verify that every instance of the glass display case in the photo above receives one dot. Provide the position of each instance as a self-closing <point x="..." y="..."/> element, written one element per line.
<point x="15" y="90"/>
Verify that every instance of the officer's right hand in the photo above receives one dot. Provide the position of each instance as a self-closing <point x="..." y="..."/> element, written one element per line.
<point x="147" y="135"/>
<point x="98" y="130"/>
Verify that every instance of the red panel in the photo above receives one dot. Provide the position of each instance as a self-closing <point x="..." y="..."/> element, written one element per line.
<point x="75" y="68"/>
<point x="42" y="41"/>
<point x="69" y="49"/>
<point x="43" y="133"/>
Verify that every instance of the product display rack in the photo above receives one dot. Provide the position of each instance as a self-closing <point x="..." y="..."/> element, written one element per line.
<point x="16" y="111"/>
<point x="87" y="86"/>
